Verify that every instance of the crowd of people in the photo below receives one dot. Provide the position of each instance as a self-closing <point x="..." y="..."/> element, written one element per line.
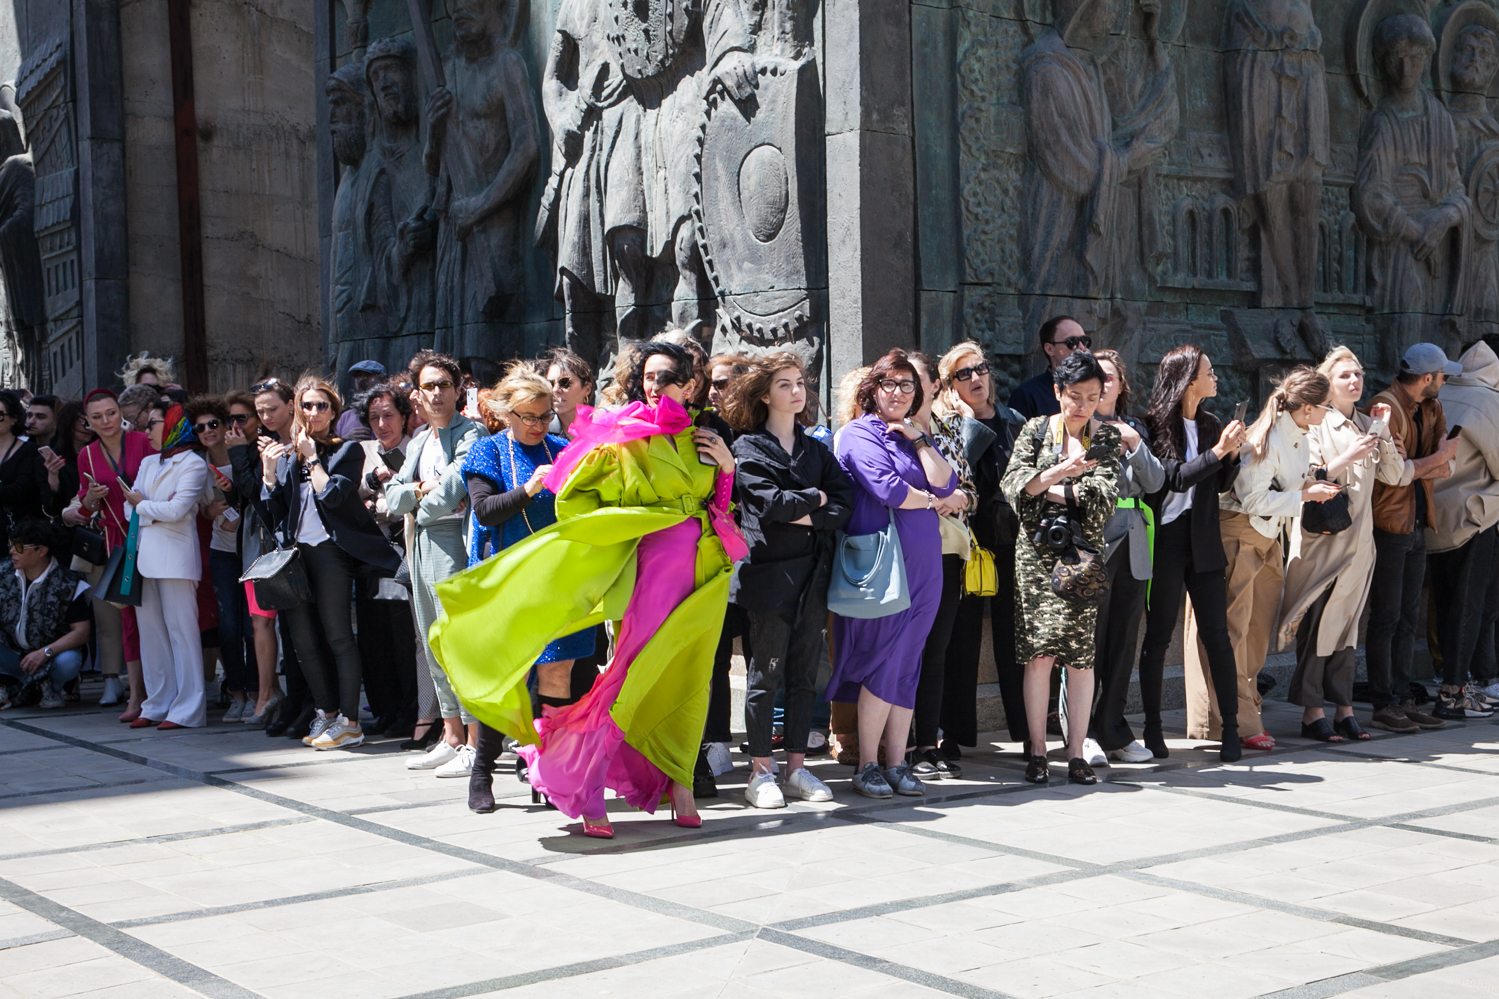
<point x="555" y="567"/>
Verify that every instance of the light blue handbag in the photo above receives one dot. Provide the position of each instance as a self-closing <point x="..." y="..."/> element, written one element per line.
<point x="869" y="574"/>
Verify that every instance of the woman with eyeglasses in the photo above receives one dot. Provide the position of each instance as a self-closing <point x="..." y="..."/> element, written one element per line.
<point x="165" y="496"/>
<point x="1274" y="479"/>
<point x="1057" y="471"/>
<point x="988" y="431"/>
<point x="107" y="466"/>
<point x="1200" y="457"/>
<point x="311" y="488"/>
<point x="506" y="474"/>
<point x="210" y="417"/>
<point x="571" y="379"/>
<point x="899" y="476"/>
<point x="643" y="536"/>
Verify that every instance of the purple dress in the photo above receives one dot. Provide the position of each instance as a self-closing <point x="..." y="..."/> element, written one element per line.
<point x="884" y="653"/>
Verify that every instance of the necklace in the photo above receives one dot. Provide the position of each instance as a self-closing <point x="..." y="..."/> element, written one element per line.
<point x="515" y="478"/>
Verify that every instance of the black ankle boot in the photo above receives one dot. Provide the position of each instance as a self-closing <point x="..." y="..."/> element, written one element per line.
<point x="1232" y="750"/>
<point x="703" y="784"/>
<point x="1155" y="741"/>
<point x="480" y="791"/>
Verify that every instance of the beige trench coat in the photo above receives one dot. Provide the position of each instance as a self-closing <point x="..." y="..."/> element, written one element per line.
<point x="1344" y="560"/>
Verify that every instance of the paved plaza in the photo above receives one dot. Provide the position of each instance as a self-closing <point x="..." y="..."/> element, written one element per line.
<point x="222" y="863"/>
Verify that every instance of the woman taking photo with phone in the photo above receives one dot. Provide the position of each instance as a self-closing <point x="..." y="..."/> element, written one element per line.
<point x="1328" y="575"/>
<point x="313" y="497"/>
<point x="1063" y="484"/>
<point x="1200" y="460"/>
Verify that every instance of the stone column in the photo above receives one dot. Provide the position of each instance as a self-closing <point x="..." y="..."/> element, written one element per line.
<point x="104" y="270"/>
<point x="870" y="181"/>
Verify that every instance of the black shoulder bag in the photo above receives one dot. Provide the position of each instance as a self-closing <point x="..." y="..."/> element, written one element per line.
<point x="279" y="577"/>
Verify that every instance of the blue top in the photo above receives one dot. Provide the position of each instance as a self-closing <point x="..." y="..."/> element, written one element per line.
<point x="509" y="465"/>
<point x="1036" y="397"/>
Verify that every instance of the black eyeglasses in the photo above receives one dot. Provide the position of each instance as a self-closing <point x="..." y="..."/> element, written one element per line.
<point x="198" y="428"/>
<point x="904" y="387"/>
<point x="318" y="406"/>
<point x="239" y="419"/>
<point x="532" y="421"/>
<point x="963" y="374"/>
<point x="1074" y="342"/>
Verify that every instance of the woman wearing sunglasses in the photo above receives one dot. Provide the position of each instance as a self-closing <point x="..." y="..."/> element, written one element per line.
<point x="644" y="537"/>
<point x="505" y="475"/>
<point x="312" y="494"/>
<point x="571" y="379"/>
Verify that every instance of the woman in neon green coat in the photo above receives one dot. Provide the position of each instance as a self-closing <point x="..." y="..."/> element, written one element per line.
<point x="643" y="537"/>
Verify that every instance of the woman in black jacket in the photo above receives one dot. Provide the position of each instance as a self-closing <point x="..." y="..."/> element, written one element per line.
<point x="313" y="486"/>
<point x="1200" y="458"/>
<point x="21" y="473"/>
<point x="792" y="497"/>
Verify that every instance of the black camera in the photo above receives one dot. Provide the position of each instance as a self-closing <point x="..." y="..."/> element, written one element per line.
<point x="1055" y="532"/>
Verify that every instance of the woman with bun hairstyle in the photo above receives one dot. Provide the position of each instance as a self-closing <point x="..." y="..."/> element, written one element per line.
<point x="1200" y="458"/>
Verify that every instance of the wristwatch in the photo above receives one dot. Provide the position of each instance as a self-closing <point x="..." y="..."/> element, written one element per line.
<point x="47" y="651"/>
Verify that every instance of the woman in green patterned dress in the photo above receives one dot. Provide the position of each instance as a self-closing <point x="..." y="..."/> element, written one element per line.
<point x="1049" y="472"/>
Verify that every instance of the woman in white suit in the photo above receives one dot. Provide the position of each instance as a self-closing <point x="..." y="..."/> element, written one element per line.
<point x="168" y="490"/>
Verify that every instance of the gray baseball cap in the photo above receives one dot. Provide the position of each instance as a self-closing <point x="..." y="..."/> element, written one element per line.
<point x="1428" y="359"/>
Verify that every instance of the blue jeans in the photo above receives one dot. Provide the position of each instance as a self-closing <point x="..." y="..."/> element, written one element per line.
<point x="65" y="667"/>
<point x="236" y="634"/>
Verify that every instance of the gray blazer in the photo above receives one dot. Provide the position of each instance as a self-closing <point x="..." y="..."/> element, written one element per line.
<point x="1140" y="473"/>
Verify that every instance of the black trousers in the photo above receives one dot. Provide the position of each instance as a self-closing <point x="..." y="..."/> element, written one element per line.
<point x="1171" y="574"/>
<point x="1116" y="639"/>
<point x="784" y="650"/>
<point x="1394" y="606"/>
<point x="960" y="683"/>
<point x="1465" y="596"/>
<point x="387" y="648"/>
<point x="1320" y="678"/>
<point x="927" y="717"/>
<point x="297" y="693"/>
<point x="330" y="575"/>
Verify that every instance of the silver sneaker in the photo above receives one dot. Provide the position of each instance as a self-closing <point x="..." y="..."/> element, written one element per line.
<point x="320" y="725"/>
<point x="903" y="781"/>
<point x="871" y="783"/>
<point x="342" y="734"/>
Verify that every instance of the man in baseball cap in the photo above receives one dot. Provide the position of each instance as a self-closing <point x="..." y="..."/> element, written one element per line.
<point x="1401" y="515"/>
<point x="364" y="375"/>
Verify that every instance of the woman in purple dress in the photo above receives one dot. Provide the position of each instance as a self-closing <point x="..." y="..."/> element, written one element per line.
<point x="877" y="662"/>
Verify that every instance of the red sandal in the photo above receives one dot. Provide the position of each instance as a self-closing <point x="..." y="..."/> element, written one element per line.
<point x="1263" y="741"/>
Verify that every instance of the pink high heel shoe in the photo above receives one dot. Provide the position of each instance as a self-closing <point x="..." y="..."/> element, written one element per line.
<point x="685" y="821"/>
<point x="605" y="831"/>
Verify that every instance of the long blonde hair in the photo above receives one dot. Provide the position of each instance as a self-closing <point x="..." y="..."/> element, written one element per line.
<point x="947" y="392"/>
<point x="1302" y="386"/>
<point x="848" y="395"/>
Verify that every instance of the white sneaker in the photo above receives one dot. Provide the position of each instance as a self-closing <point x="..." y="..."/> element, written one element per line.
<point x="1135" y="752"/>
<point x="112" y="692"/>
<point x="815" y="741"/>
<point x="1491" y="691"/>
<point x="803" y="783"/>
<point x="433" y="758"/>
<point x="236" y="712"/>
<point x="50" y="699"/>
<point x="719" y="760"/>
<point x="1094" y="754"/>
<point x="319" y="726"/>
<point x="342" y="734"/>
<point x="763" y="792"/>
<point x="461" y="765"/>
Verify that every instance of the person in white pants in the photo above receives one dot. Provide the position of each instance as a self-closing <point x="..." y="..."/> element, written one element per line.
<point x="166" y="495"/>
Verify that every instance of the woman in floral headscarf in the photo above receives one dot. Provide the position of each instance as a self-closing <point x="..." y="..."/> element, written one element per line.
<point x="161" y="507"/>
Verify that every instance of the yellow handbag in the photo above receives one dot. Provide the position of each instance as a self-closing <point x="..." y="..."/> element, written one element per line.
<point x="980" y="579"/>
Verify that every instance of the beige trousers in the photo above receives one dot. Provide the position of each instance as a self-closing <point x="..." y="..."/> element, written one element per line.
<point x="1255" y="571"/>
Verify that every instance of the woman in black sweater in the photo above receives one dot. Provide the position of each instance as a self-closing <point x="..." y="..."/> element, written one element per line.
<point x="792" y="496"/>
<point x="1201" y="460"/>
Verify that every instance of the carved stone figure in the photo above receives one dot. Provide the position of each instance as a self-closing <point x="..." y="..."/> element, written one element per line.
<point x="20" y="256"/>
<point x="1408" y="193"/>
<point x="403" y="231"/>
<point x="1275" y="88"/>
<point x="1076" y="164"/>
<point x="586" y="100"/>
<point x="1474" y="61"/>
<point x="482" y="147"/>
<point x="672" y="54"/>
<point x="348" y="122"/>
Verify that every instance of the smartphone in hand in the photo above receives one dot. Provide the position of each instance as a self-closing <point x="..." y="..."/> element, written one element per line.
<point x="1452" y="434"/>
<point x="46" y="452"/>
<point x="1241" y="410"/>
<point x="1098" y="452"/>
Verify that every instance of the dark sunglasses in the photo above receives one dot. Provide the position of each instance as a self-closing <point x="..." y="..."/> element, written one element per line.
<point x="239" y="419"/>
<point x="260" y="387"/>
<point x="437" y="386"/>
<point x="665" y="378"/>
<point x="963" y="374"/>
<point x="318" y="406"/>
<point x="562" y="383"/>
<point x="1074" y="342"/>
<point x="721" y="383"/>
<point x="198" y="428"/>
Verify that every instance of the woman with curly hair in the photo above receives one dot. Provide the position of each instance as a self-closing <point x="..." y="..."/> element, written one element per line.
<point x="643" y="537"/>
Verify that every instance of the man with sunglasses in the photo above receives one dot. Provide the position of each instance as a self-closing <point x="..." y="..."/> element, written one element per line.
<point x="1060" y="337"/>
<point x="431" y="488"/>
<point x="44" y="615"/>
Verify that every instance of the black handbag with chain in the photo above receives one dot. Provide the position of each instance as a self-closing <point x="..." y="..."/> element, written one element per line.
<point x="279" y="577"/>
<point x="1331" y="517"/>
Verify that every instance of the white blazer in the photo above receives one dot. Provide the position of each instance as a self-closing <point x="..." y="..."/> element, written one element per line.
<point x="172" y="491"/>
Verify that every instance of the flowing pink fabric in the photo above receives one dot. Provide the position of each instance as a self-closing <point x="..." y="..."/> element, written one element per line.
<point x="581" y="750"/>
<point x="592" y="428"/>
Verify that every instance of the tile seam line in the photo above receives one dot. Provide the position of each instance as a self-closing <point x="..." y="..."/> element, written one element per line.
<point x="163" y="838"/>
<point x="1386" y="973"/>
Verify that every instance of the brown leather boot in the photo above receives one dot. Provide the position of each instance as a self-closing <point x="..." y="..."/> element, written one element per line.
<point x="1392" y="719"/>
<point x="1420" y="717"/>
